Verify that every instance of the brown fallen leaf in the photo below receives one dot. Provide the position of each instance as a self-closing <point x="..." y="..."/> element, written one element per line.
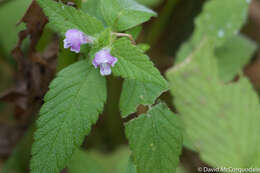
<point x="35" y="69"/>
<point x="34" y="73"/>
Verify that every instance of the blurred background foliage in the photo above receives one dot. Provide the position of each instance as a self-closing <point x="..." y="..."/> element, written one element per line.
<point x="106" y="145"/>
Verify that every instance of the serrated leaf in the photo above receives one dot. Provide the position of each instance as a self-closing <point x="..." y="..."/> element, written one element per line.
<point x="63" y="18"/>
<point x="81" y="162"/>
<point x="135" y="93"/>
<point x="124" y="14"/>
<point x="222" y="120"/>
<point x="218" y="25"/>
<point x="233" y="55"/>
<point x="134" y="64"/>
<point x="72" y="105"/>
<point x="156" y="140"/>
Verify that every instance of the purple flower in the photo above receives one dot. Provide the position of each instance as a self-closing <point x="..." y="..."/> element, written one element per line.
<point x="104" y="60"/>
<point x="75" y="38"/>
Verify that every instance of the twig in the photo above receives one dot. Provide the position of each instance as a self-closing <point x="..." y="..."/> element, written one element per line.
<point x="125" y="35"/>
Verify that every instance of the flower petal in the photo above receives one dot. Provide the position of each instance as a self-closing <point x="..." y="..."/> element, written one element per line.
<point x="95" y="63"/>
<point x="72" y="49"/>
<point x="102" y="56"/>
<point x="74" y="39"/>
<point x="105" y="69"/>
<point x="113" y="62"/>
<point x="66" y="43"/>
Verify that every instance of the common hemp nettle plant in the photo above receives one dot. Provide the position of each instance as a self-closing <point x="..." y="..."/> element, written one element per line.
<point x="201" y="82"/>
<point x="105" y="46"/>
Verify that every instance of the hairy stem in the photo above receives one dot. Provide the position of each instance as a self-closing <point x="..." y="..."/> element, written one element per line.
<point x="125" y="35"/>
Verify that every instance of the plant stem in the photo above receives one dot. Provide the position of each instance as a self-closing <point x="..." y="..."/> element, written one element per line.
<point x="160" y="24"/>
<point x="125" y="35"/>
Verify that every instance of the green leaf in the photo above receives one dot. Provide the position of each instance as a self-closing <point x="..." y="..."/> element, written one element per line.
<point x="124" y="14"/>
<point x="131" y="168"/>
<point x="72" y="105"/>
<point x="224" y="24"/>
<point x="143" y="47"/>
<point x="15" y="10"/>
<point x="63" y="18"/>
<point x="114" y="162"/>
<point x="78" y="3"/>
<point x="19" y="160"/>
<point x="104" y="39"/>
<point x="133" y="64"/>
<point x="135" y="93"/>
<point x="156" y="140"/>
<point x="94" y="161"/>
<point x="188" y="143"/>
<point x="135" y="32"/>
<point x="122" y="164"/>
<point x="81" y="162"/>
<point x="182" y="169"/>
<point x="149" y="2"/>
<point x="65" y="57"/>
<point x="185" y="50"/>
<point x="218" y="25"/>
<point x="92" y="8"/>
<point x="233" y="55"/>
<point x="222" y="120"/>
<point x="46" y="39"/>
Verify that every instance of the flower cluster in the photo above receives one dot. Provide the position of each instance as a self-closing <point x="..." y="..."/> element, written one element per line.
<point x="103" y="59"/>
<point x="74" y="39"/>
